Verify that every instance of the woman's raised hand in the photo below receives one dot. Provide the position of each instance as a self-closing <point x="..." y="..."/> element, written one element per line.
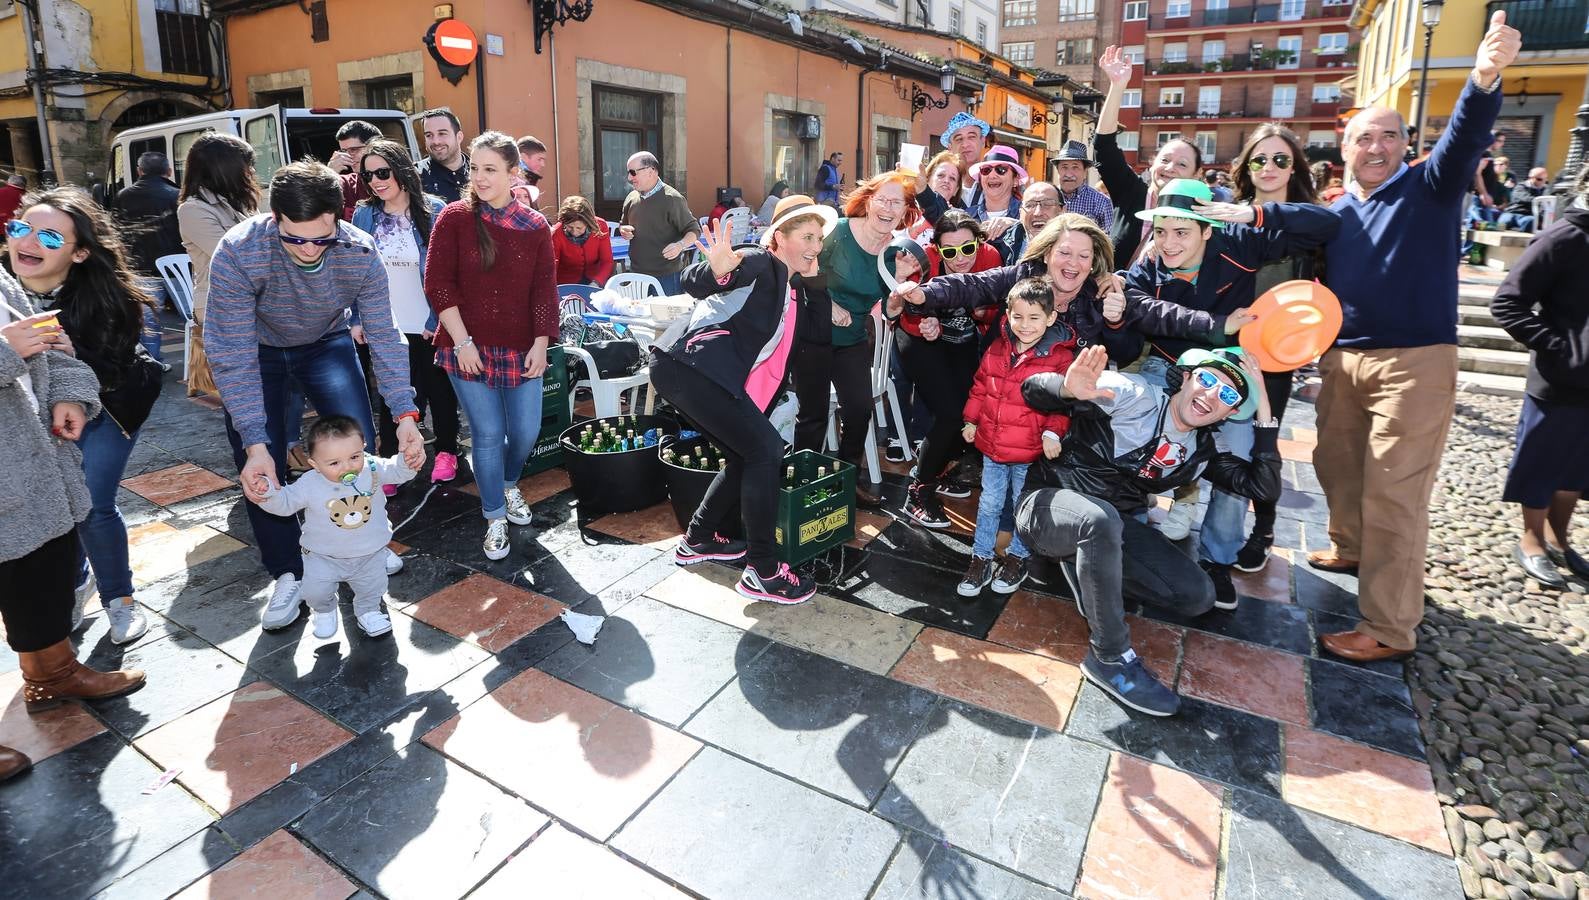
<point x="716" y="241"/>
<point x="1115" y="65"/>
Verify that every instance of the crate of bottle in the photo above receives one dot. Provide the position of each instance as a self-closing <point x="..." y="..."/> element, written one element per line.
<point x="816" y="505"/>
<point x="554" y="385"/>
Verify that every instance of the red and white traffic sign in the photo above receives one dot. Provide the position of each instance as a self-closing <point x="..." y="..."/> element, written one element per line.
<point x="455" y="42"/>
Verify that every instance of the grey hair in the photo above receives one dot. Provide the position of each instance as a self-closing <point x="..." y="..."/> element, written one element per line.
<point x="1352" y="125"/>
<point x="647" y="158"/>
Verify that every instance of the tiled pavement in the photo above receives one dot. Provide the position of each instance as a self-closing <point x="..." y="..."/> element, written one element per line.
<point x="886" y="740"/>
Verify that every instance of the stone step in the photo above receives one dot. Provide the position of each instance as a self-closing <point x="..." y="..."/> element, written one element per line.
<point x="1476" y="314"/>
<point x="1489" y="337"/>
<point x="1492" y="362"/>
<point x="1475" y="293"/>
<point x="1486" y="383"/>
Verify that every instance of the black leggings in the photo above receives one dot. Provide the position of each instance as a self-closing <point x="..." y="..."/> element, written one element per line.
<point x="942" y="373"/>
<point x="751" y="445"/>
<point x="37" y="592"/>
<point x="1278" y="386"/>
<point x="431" y="386"/>
<point x="849" y="370"/>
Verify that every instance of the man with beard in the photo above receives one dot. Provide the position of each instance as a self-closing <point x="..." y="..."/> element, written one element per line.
<point x="445" y="172"/>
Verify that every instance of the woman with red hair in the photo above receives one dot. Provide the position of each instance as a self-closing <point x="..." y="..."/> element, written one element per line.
<point x="835" y="346"/>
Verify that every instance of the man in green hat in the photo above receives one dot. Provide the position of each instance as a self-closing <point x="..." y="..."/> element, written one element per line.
<point x="1205" y="255"/>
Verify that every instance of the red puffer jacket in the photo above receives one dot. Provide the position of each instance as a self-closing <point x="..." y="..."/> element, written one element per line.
<point x="1009" y="431"/>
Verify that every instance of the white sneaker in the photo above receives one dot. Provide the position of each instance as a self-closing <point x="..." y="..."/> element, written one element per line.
<point x="85" y="591"/>
<point x="284" y="603"/>
<point x="1178" y="524"/>
<point x="394" y="563"/>
<point x="496" y="546"/>
<point x="127" y="622"/>
<point x="375" y="623"/>
<point x="326" y="624"/>
<point x="518" y="510"/>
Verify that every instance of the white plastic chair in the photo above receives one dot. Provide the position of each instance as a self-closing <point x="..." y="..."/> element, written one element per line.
<point x="607" y="393"/>
<point x="176" y="271"/>
<point x="884" y="399"/>
<point x="738" y="220"/>
<point x="634" y="285"/>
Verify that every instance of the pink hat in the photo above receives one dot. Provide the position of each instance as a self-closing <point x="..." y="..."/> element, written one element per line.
<point x="1001" y="154"/>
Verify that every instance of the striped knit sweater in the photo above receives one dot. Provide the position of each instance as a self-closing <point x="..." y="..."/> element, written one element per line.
<point x="260" y="297"/>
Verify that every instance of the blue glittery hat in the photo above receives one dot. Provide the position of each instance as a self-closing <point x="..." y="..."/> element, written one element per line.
<point x="961" y="120"/>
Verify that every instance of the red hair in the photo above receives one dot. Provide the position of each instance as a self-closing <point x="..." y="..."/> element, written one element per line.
<point x="855" y="202"/>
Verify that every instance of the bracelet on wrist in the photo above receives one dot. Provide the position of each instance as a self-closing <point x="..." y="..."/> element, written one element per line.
<point x="466" y="341"/>
<point x="398" y="419"/>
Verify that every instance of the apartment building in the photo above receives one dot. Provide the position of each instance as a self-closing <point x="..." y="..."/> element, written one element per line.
<point x="1213" y="71"/>
<point x="1063" y="36"/>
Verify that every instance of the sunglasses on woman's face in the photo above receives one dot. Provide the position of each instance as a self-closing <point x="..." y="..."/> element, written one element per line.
<point x="300" y="241"/>
<point x="384" y="173"/>
<point x="1282" y="161"/>
<point x="998" y="169"/>
<point x="1227" y="394"/>
<point x="969" y="248"/>
<point x="49" y="238"/>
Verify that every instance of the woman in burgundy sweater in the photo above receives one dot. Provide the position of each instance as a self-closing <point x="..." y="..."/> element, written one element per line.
<point x="490" y="273"/>
<point x="581" y="243"/>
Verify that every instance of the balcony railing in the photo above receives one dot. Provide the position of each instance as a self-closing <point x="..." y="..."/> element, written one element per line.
<point x="1553" y="25"/>
<point x="1258" y="14"/>
<point x="1246" y="61"/>
<point x="1235" y="109"/>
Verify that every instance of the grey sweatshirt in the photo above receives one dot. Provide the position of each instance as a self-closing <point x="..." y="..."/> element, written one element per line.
<point x="340" y="520"/>
<point x="42" y="492"/>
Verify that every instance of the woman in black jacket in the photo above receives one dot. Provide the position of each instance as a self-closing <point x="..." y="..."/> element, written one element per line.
<point x="723" y="369"/>
<point x="64" y="250"/>
<point x="1548" y="474"/>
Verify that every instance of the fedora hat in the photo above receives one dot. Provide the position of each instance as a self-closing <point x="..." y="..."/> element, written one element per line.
<point x="796" y="205"/>
<point x="1177" y="198"/>
<point x="1073" y="150"/>
<point x="1297" y="321"/>
<point x="1001" y="155"/>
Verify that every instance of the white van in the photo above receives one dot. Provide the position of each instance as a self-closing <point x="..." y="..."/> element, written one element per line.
<point x="277" y="135"/>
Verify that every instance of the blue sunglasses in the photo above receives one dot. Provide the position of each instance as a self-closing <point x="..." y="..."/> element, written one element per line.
<point x="1227" y="394"/>
<point x="49" y="238"/>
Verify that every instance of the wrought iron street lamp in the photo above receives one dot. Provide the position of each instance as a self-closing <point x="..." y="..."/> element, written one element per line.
<point x="920" y="99"/>
<point x="1431" y="18"/>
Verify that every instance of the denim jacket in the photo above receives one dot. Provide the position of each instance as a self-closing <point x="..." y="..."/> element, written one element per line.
<point x="367" y="217"/>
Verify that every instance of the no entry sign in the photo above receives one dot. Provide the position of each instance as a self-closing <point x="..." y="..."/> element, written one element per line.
<point x="455" y="42"/>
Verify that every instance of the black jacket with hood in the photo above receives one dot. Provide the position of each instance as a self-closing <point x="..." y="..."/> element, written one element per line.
<point x="1553" y="275"/>
<point x="1094" y="462"/>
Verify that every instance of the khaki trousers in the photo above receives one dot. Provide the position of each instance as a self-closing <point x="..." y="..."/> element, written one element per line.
<point x="1383" y="416"/>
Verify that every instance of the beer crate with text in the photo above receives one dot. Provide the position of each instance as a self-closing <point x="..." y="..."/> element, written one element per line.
<point x="554" y="414"/>
<point x="816" y="505"/>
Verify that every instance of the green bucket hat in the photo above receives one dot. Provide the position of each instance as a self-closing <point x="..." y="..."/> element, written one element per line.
<point x="1177" y="199"/>
<point x="1227" y="360"/>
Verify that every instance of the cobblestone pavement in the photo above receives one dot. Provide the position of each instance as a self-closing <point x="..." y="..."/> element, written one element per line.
<point x="886" y="740"/>
<point x="1501" y="680"/>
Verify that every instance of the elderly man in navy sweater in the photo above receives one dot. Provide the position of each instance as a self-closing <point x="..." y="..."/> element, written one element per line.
<point x="1390" y="381"/>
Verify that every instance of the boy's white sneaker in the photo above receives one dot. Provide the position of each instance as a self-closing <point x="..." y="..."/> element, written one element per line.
<point x="325" y="624"/>
<point x="375" y="623"/>
<point x="394" y="563"/>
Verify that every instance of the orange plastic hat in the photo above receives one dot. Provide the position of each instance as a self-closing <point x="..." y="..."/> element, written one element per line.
<point x="1297" y="322"/>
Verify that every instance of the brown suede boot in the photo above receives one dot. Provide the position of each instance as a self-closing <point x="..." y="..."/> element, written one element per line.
<point x="54" y="674"/>
<point x="13" y="762"/>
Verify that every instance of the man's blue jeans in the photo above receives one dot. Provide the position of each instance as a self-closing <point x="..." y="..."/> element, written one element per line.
<point x="1001" y="489"/>
<point x="152" y="331"/>
<point x="1516" y="221"/>
<point x="504" y="424"/>
<point x="103" y="534"/>
<point x="329" y="375"/>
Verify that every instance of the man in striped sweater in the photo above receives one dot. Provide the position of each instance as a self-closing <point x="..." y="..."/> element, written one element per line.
<point x="281" y="285"/>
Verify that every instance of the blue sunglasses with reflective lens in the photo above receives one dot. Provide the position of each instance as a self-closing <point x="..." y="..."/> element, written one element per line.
<point x="1227" y="394"/>
<point x="49" y="238"/>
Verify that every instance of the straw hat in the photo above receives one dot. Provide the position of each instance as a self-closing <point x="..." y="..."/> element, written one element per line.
<point x="796" y="205"/>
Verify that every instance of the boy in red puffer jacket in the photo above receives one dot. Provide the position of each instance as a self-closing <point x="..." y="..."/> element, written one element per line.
<point x="1009" y="433"/>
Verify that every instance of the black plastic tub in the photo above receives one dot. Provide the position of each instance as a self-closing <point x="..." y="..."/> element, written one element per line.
<point x="623" y="481"/>
<point x="686" y="487"/>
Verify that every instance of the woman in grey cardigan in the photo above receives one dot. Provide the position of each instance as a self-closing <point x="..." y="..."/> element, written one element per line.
<point x="46" y="398"/>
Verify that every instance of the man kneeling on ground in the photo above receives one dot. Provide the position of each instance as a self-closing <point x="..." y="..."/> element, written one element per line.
<point x="1129" y="440"/>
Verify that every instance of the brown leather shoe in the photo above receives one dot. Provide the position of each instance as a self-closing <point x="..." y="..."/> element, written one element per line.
<point x="13" y="763"/>
<point x="1327" y="561"/>
<point x="1359" y="647"/>
<point x="54" y="674"/>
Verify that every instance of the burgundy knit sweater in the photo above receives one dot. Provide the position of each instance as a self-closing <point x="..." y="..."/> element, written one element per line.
<point x="509" y="306"/>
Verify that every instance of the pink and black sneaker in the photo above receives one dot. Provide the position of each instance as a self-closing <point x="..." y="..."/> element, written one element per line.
<point x="715" y="548"/>
<point x="445" y="469"/>
<point x="785" y="586"/>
